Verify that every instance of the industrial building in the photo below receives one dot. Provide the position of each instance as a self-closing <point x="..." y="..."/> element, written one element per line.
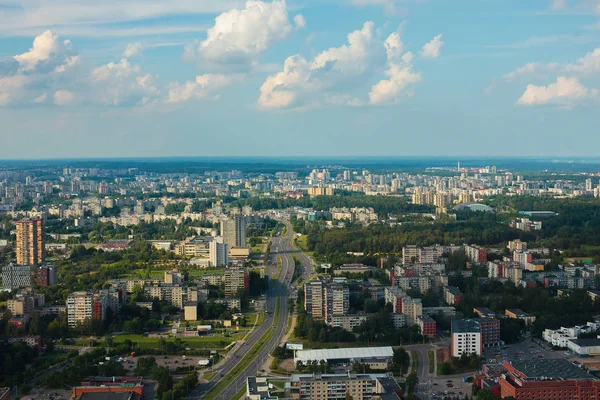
<point x="547" y="379"/>
<point x="374" y="357"/>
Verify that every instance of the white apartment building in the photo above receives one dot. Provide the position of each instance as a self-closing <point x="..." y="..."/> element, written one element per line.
<point x="218" y="251"/>
<point x="466" y="338"/>
<point x="79" y="308"/>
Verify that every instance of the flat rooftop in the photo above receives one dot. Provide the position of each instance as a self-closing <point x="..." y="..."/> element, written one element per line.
<point x="557" y="369"/>
<point x="465" y="326"/>
<point x="586" y="342"/>
<point x="343" y="354"/>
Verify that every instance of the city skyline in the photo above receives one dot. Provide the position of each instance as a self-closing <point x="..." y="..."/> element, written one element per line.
<point x="387" y="78"/>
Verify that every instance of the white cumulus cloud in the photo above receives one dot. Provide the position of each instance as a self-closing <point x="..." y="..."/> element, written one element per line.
<point x="123" y="83"/>
<point x="566" y="91"/>
<point x="63" y="97"/>
<point x="240" y="36"/>
<point x="433" y="48"/>
<point x="203" y="86"/>
<point x="334" y="76"/>
<point x="132" y="49"/>
<point x="301" y="80"/>
<point x="300" y="21"/>
<point x="44" y="46"/>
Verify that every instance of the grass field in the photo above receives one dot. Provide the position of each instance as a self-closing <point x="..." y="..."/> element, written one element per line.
<point x="431" y="361"/>
<point x="208" y="342"/>
<point x="415" y="360"/>
<point x="301" y="242"/>
<point x="208" y="377"/>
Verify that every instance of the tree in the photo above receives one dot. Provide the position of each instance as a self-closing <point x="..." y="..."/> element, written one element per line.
<point x="145" y="366"/>
<point x="412" y="380"/>
<point x="485" y="394"/>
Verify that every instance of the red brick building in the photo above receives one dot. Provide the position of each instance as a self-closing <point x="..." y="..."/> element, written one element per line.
<point x="547" y="379"/>
<point x="428" y="327"/>
<point x="490" y="331"/>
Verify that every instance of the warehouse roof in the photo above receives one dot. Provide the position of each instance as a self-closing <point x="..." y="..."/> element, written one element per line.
<point x="547" y="369"/>
<point x="352" y="353"/>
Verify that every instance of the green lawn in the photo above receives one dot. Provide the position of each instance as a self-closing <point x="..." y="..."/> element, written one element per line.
<point x="212" y="342"/>
<point x="415" y="360"/>
<point x="301" y="242"/>
<point x="208" y="377"/>
<point x="431" y="361"/>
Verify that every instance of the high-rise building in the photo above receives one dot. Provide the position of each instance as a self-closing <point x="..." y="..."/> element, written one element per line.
<point x="30" y="241"/>
<point x="235" y="278"/>
<point x="17" y="276"/>
<point x="79" y="308"/>
<point x="233" y="231"/>
<point x="45" y="275"/>
<point x="323" y="300"/>
<point x="84" y="306"/>
<point x="466" y="338"/>
<point x="589" y="185"/>
<point x="218" y="251"/>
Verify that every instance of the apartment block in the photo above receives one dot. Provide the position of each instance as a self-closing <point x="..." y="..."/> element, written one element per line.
<point x="466" y="338"/>
<point x="235" y="278"/>
<point x="84" y="306"/>
<point x="342" y="386"/>
<point x="452" y="295"/>
<point x="475" y="254"/>
<point x="30" y="241"/>
<point x="17" y="276"/>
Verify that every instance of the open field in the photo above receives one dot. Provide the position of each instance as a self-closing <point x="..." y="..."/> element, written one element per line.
<point x="201" y="342"/>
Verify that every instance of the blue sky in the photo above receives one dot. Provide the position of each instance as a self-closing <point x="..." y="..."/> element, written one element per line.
<point x="303" y="77"/>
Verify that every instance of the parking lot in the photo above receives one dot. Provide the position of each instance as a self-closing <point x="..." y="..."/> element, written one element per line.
<point x="527" y="349"/>
<point x="451" y="387"/>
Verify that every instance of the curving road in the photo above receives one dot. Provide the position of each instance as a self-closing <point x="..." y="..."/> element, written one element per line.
<point x="278" y="292"/>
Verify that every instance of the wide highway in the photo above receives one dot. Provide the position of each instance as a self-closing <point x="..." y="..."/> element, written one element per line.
<point x="278" y="292"/>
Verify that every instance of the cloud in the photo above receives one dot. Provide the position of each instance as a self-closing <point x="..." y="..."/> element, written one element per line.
<point x="63" y="97"/>
<point x="581" y="5"/>
<point x="399" y="73"/>
<point x="50" y="69"/>
<point x="26" y="15"/>
<point x="132" y="49"/>
<point x="586" y="65"/>
<point x="123" y="83"/>
<point x="391" y="6"/>
<point x="41" y="98"/>
<point x="334" y="76"/>
<point x="389" y="89"/>
<point x="566" y="92"/>
<point x="44" y="46"/>
<point x="69" y="63"/>
<point x="432" y="48"/>
<point x="239" y="37"/>
<point x="300" y="21"/>
<point x="11" y="87"/>
<point x="302" y="80"/>
<point x="203" y="86"/>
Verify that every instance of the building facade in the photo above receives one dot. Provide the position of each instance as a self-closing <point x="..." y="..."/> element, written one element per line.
<point x="30" y="241"/>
